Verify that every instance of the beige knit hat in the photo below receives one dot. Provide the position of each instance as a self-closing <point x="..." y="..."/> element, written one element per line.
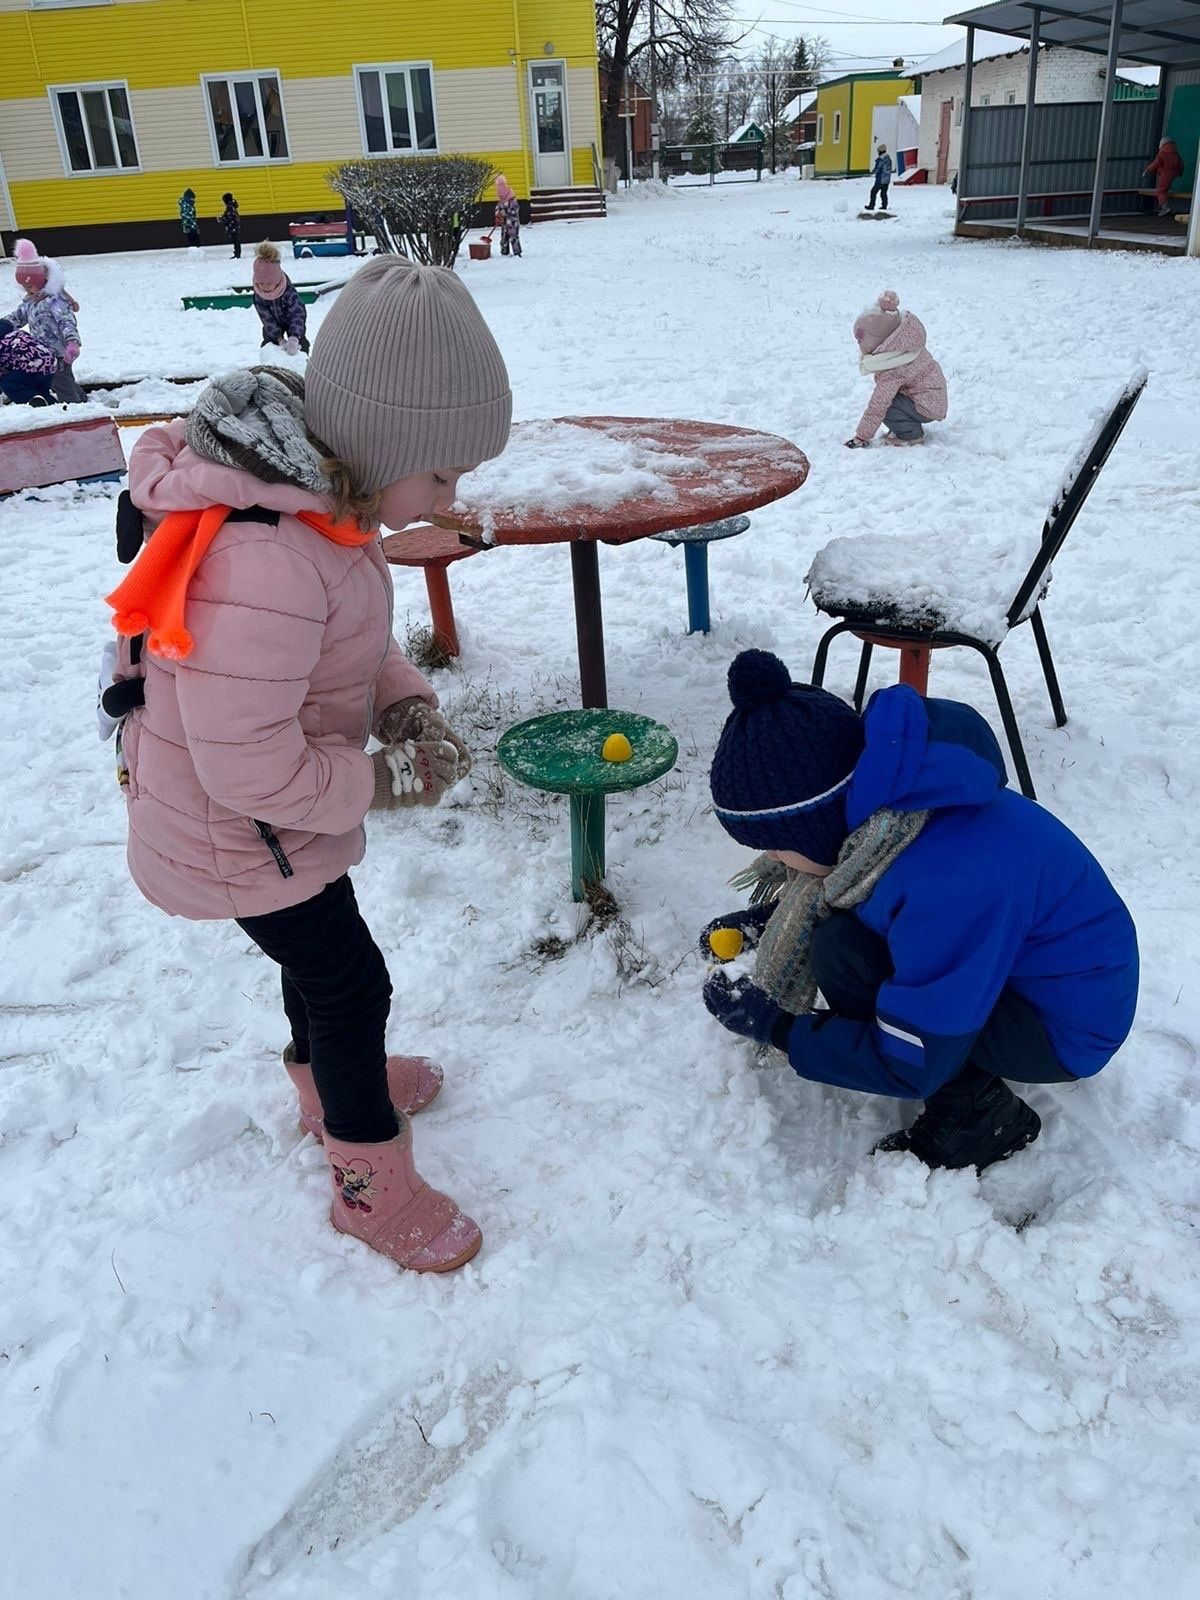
<point x="405" y="376"/>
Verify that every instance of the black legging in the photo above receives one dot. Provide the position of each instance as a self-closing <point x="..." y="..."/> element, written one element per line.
<point x="880" y="189"/>
<point x="851" y="964"/>
<point x="337" y="994"/>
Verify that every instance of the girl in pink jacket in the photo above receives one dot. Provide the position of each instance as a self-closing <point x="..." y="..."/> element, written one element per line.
<point x="910" y="387"/>
<point x="258" y="619"/>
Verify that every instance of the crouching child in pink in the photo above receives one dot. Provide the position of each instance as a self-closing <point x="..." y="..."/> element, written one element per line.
<point x="258" y="617"/>
<point x="910" y="387"/>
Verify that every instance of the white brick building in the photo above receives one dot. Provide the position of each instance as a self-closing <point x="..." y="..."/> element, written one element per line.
<point x="999" y="78"/>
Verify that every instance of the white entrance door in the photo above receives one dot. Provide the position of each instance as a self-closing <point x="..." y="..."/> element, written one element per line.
<point x="551" y="134"/>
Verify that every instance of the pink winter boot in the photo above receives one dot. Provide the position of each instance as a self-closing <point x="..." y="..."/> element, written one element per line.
<point x="381" y="1198"/>
<point x="413" y="1081"/>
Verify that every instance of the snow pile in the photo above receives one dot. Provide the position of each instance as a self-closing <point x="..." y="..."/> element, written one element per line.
<point x="150" y="397"/>
<point x="645" y="189"/>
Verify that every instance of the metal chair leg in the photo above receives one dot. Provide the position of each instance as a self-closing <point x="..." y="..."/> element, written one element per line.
<point x="1007" y="715"/>
<point x="864" y="668"/>
<point x="822" y="655"/>
<point x="1047" y="660"/>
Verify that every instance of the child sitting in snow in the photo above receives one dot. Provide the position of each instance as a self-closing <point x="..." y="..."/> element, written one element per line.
<point x="280" y="309"/>
<point x="267" y="661"/>
<point x="48" y="311"/>
<point x="26" y="366"/>
<point x="910" y="387"/>
<point x="960" y="935"/>
<point x="508" y="217"/>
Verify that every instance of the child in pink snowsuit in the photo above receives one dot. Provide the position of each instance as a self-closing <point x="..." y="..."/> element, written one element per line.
<point x="910" y="387"/>
<point x="1166" y="167"/>
<point x="257" y="661"/>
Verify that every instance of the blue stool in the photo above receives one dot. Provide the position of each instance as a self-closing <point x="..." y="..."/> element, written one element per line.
<point x="695" y="542"/>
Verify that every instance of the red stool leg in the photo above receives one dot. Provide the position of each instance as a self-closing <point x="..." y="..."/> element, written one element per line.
<point x="914" y="667"/>
<point x="441" y="609"/>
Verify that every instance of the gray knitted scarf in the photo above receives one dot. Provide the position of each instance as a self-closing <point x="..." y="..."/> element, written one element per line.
<point x="254" y="420"/>
<point x="781" y="967"/>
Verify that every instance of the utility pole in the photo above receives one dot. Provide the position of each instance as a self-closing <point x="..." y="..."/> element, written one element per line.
<point x="655" y="168"/>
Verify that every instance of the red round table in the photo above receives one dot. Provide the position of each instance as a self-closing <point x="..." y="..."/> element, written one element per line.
<point x="705" y="472"/>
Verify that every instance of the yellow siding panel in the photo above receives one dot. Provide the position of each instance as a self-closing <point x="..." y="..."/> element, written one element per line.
<point x="28" y="140"/>
<point x="322" y="120"/>
<point x="477" y="110"/>
<point x="831" y="157"/>
<point x="171" y="126"/>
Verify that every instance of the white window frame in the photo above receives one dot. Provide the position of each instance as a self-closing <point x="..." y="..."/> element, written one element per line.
<point x="251" y="75"/>
<point x="985" y="100"/>
<point x="1010" y="99"/>
<point x="396" y="66"/>
<point x="53" y="90"/>
<point x="820" y="127"/>
<point x="837" y="127"/>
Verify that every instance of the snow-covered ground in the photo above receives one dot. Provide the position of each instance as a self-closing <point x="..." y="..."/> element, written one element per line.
<point x="712" y="1347"/>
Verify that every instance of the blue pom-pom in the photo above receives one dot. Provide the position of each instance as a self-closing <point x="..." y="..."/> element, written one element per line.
<point x="756" y="678"/>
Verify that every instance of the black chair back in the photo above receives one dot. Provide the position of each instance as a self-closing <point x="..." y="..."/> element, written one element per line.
<point x="1070" y="499"/>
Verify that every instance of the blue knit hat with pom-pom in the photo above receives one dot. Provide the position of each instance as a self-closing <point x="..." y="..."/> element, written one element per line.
<point x="784" y="761"/>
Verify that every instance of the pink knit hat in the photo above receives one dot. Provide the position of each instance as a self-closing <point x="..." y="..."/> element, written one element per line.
<point x="270" y="280"/>
<point x="878" y="322"/>
<point x="504" y="189"/>
<point x="36" y="272"/>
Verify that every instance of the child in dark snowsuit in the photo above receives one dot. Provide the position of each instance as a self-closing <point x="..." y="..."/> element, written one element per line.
<point x="881" y="178"/>
<point x="508" y="217"/>
<point x="960" y="935"/>
<point x="48" y="311"/>
<point x="27" y="367"/>
<point x="280" y="309"/>
<point x="187" y="217"/>
<point x="231" y="218"/>
<point x="1164" y="169"/>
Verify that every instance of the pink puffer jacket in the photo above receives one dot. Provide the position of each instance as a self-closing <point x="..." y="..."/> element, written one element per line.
<point x="922" y="380"/>
<point x="268" y="717"/>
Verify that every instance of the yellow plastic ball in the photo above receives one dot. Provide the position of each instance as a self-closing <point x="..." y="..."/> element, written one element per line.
<point x="616" y="748"/>
<point x="726" y="943"/>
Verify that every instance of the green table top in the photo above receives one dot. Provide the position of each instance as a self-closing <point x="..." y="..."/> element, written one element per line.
<point x="560" y="752"/>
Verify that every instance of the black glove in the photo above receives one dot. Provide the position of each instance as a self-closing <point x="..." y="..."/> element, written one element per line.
<point x="750" y="923"/>
<point x="746" y="1010"/>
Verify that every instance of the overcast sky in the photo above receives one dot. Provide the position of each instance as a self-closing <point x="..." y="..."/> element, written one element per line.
<point x="868" y="35"/>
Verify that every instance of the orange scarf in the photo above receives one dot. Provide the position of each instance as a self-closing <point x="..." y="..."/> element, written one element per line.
<point x="152" y="596"/>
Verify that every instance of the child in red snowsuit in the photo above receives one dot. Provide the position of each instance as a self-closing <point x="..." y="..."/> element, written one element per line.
<point x="1165" y="168"/>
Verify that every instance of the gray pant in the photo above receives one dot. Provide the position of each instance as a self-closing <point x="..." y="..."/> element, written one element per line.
<point x="63" y="386"/>
<point x="904" y="420"/>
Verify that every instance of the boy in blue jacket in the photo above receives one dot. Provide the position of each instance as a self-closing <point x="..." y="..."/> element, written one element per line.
<point x="959" y="933"/>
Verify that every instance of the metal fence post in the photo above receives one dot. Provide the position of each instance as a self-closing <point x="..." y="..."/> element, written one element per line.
<point x="964" y="137"/>
<point x="1027" y="128"/>
<point x="1106" y="120"/>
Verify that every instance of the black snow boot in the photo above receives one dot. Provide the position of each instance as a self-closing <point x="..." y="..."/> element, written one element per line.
<point x="972" y="1121"/>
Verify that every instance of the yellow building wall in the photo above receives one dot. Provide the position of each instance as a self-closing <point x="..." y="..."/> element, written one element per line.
<point x="868" y="94"/>
<point x="479" y="51"/>
<point x="833" y="157"/>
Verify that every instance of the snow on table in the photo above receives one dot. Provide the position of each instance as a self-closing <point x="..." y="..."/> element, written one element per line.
<point x="621" y="478"/>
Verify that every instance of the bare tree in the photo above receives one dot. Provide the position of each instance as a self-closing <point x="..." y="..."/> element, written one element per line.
<point x="691" y="35"/>
<point x="773" y="67"/>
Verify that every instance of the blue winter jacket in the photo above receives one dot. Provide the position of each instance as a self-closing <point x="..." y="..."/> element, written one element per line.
<point x="994" y="892"/>
<point x="883" y="170"/>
